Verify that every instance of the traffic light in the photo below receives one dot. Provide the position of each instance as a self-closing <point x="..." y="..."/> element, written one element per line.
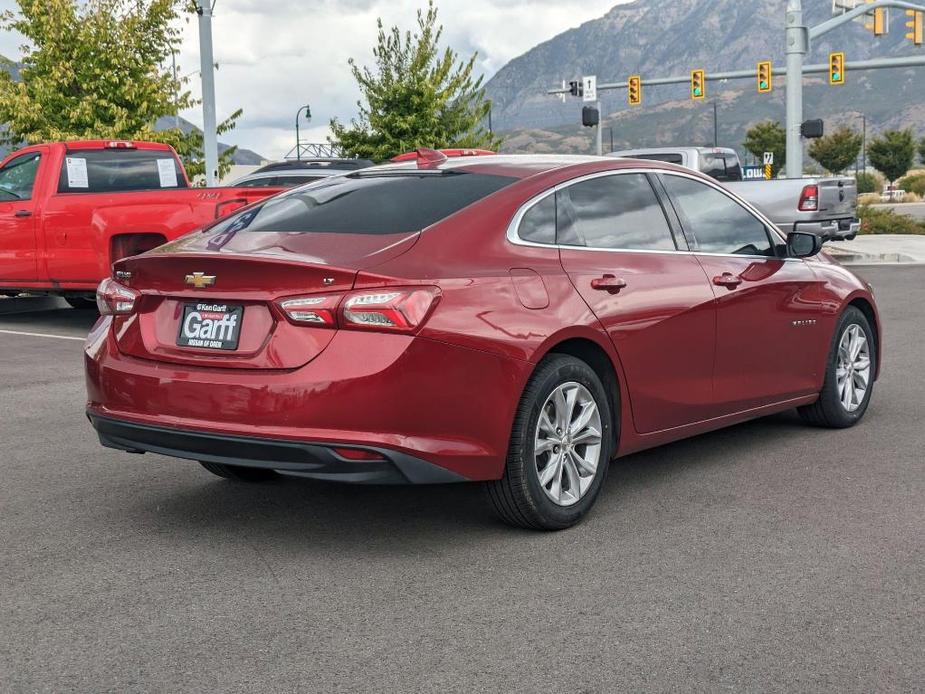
<point x="837" y="68"/>
<point x="765" y="77"/>
<point x="878" y="25"/>
<point x="635" y="90"/>
<point x="576" y="88"/>
<point x="698" y="85"/>
<point x="917" y="20"/>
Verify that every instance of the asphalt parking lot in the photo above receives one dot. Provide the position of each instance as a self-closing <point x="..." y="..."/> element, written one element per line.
<point x="766" y="557"/>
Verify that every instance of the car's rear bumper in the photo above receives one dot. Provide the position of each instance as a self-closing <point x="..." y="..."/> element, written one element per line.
<point x="315" y="460"/>
<point x="448" y="406"/>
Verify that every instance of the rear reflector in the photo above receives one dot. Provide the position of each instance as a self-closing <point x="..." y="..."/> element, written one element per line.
<point x="359" y="454"/>
<point x="114" y="299"/>
<point x="809" y="199"/>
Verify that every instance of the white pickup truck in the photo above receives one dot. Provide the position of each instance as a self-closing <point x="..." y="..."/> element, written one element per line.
<point x="824" y="206"/>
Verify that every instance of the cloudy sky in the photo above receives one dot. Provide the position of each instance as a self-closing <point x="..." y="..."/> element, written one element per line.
<point x="277" y="55"/>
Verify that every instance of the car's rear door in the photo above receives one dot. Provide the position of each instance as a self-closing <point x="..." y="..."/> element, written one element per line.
<point x="621" y="253"/>
<point x="768" y="341"/>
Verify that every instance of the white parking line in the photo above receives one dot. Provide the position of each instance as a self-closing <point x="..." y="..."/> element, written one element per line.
<point x="53" y="337"/>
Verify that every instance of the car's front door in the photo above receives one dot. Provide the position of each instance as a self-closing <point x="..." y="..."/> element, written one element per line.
<point x="621" y="253"/>
<point x="18" y="242"/>
<point x="767" y="306"/>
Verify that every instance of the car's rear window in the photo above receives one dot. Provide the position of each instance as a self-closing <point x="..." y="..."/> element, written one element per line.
<point x="391" y="203"/>
<point x="119" y="171"/>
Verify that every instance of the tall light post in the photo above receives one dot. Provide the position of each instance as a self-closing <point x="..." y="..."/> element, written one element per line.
<point x="298" y="140"/>
<point x="209" y="124"/>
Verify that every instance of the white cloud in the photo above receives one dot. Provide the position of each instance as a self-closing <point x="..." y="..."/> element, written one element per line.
<point x="277" y="55"/>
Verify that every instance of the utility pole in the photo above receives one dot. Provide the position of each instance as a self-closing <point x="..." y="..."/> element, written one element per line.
<point x="209" y="124"/>
<point x="715" y="125"/>
<point x="600" y="129"/>
<point x="797" y="46"/>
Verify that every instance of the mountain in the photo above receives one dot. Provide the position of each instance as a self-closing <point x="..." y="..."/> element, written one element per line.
<point x="663" y="38"/>
<point x="241" y="156"/>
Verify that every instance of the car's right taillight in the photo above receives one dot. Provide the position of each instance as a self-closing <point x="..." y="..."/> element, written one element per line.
<point x="390" y="309"/>
<point x="114" y="299"/>
<point x="809" y="199"/>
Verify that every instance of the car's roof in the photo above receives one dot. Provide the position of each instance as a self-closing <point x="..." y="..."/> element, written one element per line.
<point x="528" y="165"/>
<point x="296" y="165"/>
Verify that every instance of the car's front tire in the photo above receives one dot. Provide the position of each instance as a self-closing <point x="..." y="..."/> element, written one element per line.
<point x="849" y="375"/>
<point x="239" y="473"/>
<point x="561" y="445"/>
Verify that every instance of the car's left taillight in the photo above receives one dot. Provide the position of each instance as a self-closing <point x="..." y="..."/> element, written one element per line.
<point x="114" y="299"/>
<point x="809" y="199"/>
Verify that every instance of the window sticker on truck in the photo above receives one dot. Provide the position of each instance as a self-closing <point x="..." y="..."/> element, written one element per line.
<point x="77" y="173"/>
<point x="167" y="172"/>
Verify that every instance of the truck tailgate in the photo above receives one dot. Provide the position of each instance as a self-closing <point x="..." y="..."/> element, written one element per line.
<point x="838" y="197"/>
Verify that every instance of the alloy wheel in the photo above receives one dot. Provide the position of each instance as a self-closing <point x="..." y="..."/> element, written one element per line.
<point x="852" y="370"/>
<point x="567" y="446"/>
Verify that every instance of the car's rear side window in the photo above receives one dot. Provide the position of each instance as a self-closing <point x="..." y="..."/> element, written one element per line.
<point x="119" y="171"/>
<point x="387" y="203"/>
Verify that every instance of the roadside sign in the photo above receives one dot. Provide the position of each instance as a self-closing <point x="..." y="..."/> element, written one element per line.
<point x="590" y="87"/>
<point x="769" y="158"/>
<point x="753" y="173"/>
<point x="767" y="172"/>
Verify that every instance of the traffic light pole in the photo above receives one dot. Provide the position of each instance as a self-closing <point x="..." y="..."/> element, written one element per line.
<point x="798" y="39"/>
<point x="600" y="130"/>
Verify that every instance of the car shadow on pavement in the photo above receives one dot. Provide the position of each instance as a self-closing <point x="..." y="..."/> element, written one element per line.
<point x="66" y="320"/>
<point x="300" y="511"/>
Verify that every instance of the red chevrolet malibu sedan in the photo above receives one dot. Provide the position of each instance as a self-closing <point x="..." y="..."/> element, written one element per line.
<point x="515" y="320"/>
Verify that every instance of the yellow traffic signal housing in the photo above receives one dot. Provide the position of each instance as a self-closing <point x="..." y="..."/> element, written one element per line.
<point x="635" y="90"/>
<point x="765" y="77"/>
<point x="837" y="68"/>
<point x="878" y="23"/>
<point x="698" y="85"/>
<point x="917" y="25"/>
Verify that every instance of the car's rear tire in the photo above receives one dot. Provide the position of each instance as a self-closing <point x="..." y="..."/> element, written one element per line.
<point x="849" y="375"/>
<point x="81" y="303"/>
<point x="239" y="473"/>
<point x="556" y="467"/>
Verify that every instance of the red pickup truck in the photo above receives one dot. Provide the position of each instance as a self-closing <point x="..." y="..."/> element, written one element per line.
<point x="68" y="210"/>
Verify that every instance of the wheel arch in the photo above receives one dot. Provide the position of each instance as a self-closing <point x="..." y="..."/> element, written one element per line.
<point x="865" y="306"/>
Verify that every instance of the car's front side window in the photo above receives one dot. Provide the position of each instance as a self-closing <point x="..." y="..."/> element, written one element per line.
<point x="716" y="222"/>
<point x="18" y="177"/>
<point x="616" y="212"/>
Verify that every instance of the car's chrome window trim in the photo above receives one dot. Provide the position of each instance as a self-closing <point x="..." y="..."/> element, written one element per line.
<point x="513" y="228"/>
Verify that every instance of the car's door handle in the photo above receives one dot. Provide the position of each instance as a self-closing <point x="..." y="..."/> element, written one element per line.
<point x="608" y="283"/>
<point x="23" y="213"/>
<point x="727" y="279"/>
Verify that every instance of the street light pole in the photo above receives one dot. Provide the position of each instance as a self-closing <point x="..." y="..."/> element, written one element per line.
<point x="298" y="140"/>
<point x="209" y="124"/>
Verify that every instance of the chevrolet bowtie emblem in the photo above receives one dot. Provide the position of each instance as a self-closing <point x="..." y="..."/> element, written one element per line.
<point x="200" y="280"/>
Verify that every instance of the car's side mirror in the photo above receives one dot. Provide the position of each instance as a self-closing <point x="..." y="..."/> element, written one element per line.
<point x="802" y="244"/>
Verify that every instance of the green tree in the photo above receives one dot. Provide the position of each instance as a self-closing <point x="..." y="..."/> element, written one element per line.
<point x="922" y="150"/>
<point x="892" y="153"/>
<point x="95" y="69"/>
<point x="415" y="96"/>
<point x="838" y="151"/>
<point x="768" y="136"/>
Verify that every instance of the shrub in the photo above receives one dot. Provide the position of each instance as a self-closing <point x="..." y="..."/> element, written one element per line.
<point x="913" y="184"/>
<point x="880" y="221"/>
<point x="869" y="183"/>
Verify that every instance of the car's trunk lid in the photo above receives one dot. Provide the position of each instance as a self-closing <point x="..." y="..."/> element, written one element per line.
<point x="246" y="274"/>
